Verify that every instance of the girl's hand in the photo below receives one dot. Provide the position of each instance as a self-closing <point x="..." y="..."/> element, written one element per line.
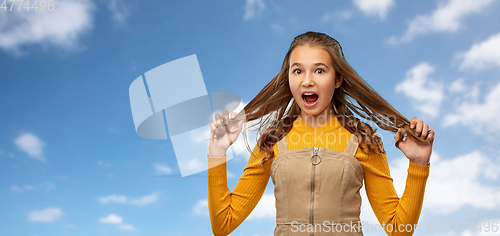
<point x="417" y="153"/>
<point x="218" y="147"/>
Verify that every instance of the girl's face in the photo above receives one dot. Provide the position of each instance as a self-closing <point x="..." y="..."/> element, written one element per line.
<point x="312" y="79"/>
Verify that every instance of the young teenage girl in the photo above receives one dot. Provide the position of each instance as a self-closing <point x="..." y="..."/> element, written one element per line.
<point x="317" y="152"/>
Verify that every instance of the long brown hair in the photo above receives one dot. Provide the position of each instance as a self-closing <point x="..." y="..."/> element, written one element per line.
<point x="276" y="108"/>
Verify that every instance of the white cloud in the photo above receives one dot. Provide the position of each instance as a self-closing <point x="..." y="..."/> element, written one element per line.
<point x="481" y="117"/>
<point x="118" y="10"/>
<point x="458" y="86"/>
<point x="455" y="183"/>
<point x="193" y="164"/>
<point x="46" y="215"/>
<point x="145" y="200"/>
<point x="426" y="94"/>
<point x="141" y="201"/>
<point x="61" y="27"/>
<point x="473" y="94"/>
<point x="113" y="199"/>
<point x="117" y="220"/>
<point x="447" y="17"/>
<point x="127" y="227"/>
<point x="491" y="230"/>
<point x="482" y="55"/>
<point x="20" y="189"/>
<point x="253" y="8"/>
<point x="201" y="207"/>
<point x="163" y="169"/>
<point x="374" y="7"/>
<point x="31" y="144"/>
<point x="111" y="219"/>
<point x="266" y="208"/>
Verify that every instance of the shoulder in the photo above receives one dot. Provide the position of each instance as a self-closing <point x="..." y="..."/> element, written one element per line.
<point x="361" y="155"/>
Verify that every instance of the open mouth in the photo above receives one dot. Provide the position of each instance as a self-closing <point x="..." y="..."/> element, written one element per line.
<point x="310" y="98"/>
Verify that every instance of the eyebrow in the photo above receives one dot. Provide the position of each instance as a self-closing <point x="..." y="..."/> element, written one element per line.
<point x="317" y="64"/>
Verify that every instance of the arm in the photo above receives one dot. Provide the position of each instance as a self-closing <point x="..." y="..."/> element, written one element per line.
<point x="387" y="206"/>
<point x="228" y="210"/>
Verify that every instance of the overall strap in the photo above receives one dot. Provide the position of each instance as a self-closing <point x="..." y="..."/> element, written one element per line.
<point x="282" y="145"/>
<point x="352" y="146"/>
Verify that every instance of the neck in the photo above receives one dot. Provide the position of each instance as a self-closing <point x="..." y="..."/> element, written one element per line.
<point x="318" y="119"/>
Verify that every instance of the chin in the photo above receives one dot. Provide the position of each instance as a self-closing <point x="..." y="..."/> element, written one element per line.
<point x="311" y="113"/>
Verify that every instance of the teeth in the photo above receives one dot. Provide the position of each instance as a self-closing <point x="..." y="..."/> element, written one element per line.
<point x="308" y="94"/>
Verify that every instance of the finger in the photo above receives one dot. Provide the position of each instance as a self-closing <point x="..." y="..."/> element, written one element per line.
<point x="431" y="135"/>
<point x="212" y="129"/>
<point x="228" y="133"/>
<point x="425" y="130"/>
<point x="225" y="117"/>
<point x="413" y="121"/>
<point x="397" y="135"/>
<point x="236" y="127"/>
<point x="418" y="130"/>
<point x="233" y="115"/>
<point x="218" y="121"/>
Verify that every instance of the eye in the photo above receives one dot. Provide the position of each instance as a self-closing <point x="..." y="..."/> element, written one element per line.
<point x="321" y="71"/>
<point x="297" y="71"/>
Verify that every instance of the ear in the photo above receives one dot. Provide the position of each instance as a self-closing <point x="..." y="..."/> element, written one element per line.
<point x="338" y="80"/>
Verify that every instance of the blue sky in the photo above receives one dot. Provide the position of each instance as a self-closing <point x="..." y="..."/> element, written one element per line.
<point x="71" y="162"/>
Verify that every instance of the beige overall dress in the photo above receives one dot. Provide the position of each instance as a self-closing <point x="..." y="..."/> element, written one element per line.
<point x="317" y="190"/>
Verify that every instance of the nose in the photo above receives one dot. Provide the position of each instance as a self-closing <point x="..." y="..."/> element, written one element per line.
<point x="308" y="81"/>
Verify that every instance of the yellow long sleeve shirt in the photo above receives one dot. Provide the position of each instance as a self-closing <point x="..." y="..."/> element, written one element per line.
<point x="229" y="209"/>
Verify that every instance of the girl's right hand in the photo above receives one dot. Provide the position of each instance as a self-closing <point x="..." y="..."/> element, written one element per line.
<point x="218" y="147"/>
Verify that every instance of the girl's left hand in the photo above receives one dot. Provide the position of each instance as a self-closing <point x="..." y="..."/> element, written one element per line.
<point x="417" y="153"/>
